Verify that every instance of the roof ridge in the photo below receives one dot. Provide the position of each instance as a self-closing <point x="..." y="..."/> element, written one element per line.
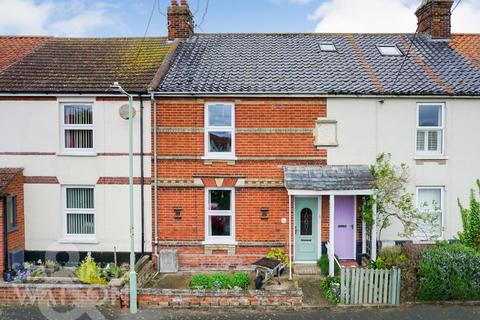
<point x="304" y="33"/>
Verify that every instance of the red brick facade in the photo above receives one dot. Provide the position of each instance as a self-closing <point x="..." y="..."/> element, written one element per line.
<point x="270" y="133"/>
<point x="16" y="238"/>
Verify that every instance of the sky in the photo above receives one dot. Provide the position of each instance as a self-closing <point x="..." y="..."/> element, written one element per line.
<point x="114" y="18"/>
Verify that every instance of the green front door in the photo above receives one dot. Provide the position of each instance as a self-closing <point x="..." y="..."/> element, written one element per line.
<point x="306" y="229"/>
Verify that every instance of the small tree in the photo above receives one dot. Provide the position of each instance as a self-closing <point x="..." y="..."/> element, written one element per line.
<point x="470" y="236"/>
<point x="394" y="202"/>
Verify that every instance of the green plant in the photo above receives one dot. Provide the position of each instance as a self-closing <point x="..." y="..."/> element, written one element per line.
<point x="470" y="236"/>
<point x="388" y="258"/>
<point x="51" y="264"/>
<point x="36" y="273"/>
<point x="219" y="280"/>
<point x="89" y="271"/>
<point x="394" y="202"/>
<point x="331" y="289"/>
<point x="323" y="263"/>
<point x="200" y="281"/>
<point x="278" y="254"/>
<point x="112" y="272"/>
<point x="240" y="279"/>
<point x="449" y="272"/>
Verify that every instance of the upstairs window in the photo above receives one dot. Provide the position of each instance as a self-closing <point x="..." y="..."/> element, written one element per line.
<point x="79" y="212"/>
<point x="77" y="128"/>
<point x="219" y="130"/>
<point x="430" y="129"/>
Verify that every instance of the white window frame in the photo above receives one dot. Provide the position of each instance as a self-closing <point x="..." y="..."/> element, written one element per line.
<point x="81" y="238"/>
<point x="64" y="127"/>
<point x="219" y="155"/>
<point x="441" y="128"/>
<point x="231" y="213"/>
<point x="442" y="204"/>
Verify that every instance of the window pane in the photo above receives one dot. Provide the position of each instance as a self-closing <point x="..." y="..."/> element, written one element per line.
<point x="420" y="140"/>
<point x="10" y="212"/>
<point x="220" y="116"/>
<point x="429" y="199"/>
<point x="80" y="223"/>
<point x="78" y="114"/>
<point x="434" y="140"/>
<point x="78" y="139"/>
<point x="306" y="222"/>
<point x="220" y="199"/>
<point x="220" y="225"/>
<point x="80" y="198"/>
<point x="430" y="116"/>
<point x="220" y="141"/>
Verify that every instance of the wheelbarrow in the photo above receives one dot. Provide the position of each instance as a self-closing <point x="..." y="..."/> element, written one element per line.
<point x="266" y="269"/>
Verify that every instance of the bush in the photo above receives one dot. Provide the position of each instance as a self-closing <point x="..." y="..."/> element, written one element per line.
<point x="331" y="289"/>
<point x="323" y="264"/>
<point x="470" y="236"/>
<point x="219" y="280"/>
<point x="112" y="272"/>
<point x="89" y="271"/>
<point x="278" y="254"/>
<point x="200" y="281"/>
<point x="240" y="279"/>
<point x="410" y="280"/>
<point x="388" y="258"/>
<point x="449" y="272"/>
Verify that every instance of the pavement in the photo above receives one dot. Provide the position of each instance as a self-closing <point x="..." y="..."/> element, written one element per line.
<point x="420" y="312"/>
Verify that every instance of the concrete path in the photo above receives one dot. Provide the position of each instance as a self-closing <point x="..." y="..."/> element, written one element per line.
<point x="424" y="312"/>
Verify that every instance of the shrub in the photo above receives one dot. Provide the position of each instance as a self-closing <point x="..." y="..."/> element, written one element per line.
<point x="89" y="271"/>
<point x="449" y="272"/>
<point x="240" y="279"/>
<point x="331" y="289"/>
<point x="278" y="254"/>
<point x="388" y="258"/>
<point x="219" y="280"/>
<point x="200" y="281"/>
<point x="470" y="236"/>
<point x="323" y="264"/>
<point x="112" y="272"/>
<point x="410" y="280"/>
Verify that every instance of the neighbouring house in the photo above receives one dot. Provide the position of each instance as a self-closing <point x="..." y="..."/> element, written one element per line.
<point x="61" y="124"/>
<point x="12" y="222"/>
<point x="265" y="140"/>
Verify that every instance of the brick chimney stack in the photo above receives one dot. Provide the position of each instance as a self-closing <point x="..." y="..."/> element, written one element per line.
<point x="180" y="21"/>
<point x="434" y="18"/>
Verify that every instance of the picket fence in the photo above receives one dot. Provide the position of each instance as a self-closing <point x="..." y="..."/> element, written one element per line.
<point x="369" y="286"/>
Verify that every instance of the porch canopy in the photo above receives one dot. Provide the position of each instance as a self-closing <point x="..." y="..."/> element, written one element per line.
<point x="331" y="180"/>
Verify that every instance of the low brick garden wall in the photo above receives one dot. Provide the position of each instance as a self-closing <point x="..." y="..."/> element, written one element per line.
<point x="148" y="297"/>
<point x="59" y="294"/>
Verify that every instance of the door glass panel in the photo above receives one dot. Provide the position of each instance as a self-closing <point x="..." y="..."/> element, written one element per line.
<point x="306" y="222"/>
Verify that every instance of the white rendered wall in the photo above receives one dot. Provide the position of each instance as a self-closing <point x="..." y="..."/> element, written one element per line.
<point x="367" y="127"/>
<point x="33" y="127"/>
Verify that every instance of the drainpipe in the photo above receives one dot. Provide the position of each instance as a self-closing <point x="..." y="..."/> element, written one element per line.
<point x="5" y="235"/>
<point x="155" y="178"/>
<point x="142" y="184"/>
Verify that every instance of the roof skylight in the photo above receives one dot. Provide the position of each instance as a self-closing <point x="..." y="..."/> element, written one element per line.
<point x="327" y="46"/>
<point x="389" y="50"/>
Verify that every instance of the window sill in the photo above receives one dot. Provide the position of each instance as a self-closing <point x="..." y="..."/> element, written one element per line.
<point x="220" y="242"/>
<point x="430" y="157"/>
<point x="13" y="229"/>
<point x="217" y="158"/>
<point x="78" y="240"/>
<point x="76" y="154"/>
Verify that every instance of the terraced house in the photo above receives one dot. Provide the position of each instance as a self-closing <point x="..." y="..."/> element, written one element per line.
<point x="62" y="130"/>
<point x="265" y="140"/>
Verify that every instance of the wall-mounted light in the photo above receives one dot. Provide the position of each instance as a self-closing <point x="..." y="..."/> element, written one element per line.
<point x="264" y="213"/>
<point x="177" y="213"/>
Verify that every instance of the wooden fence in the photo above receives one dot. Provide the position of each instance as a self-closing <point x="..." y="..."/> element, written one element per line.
<point x="369" y="286"/>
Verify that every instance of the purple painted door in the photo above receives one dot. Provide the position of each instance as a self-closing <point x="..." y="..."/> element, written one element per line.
<point x="344" y="216"/>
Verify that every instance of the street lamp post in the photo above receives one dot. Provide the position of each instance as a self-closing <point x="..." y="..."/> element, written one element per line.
<point x="133" y="274"/>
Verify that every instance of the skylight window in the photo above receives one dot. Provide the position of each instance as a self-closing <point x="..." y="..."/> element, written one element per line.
<point x="327" y="46"/>
<point x="390" y="50"/>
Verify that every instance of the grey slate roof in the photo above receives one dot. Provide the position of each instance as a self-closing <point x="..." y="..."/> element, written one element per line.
<point x="328" y="178"/>
<point x="294" y="64"/>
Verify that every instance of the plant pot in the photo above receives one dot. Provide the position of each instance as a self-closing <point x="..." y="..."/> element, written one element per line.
<point x="8" y="275"/>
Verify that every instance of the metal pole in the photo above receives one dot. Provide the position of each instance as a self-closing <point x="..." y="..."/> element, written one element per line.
<point x="133" y="275"/>
<point x="290" y="237"/>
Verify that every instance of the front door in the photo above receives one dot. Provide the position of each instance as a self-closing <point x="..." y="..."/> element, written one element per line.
<point x="306" y="229"/>
<point x="344" y="216"/>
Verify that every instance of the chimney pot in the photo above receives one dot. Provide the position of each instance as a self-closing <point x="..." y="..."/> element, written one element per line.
<point x="434" y="18"/>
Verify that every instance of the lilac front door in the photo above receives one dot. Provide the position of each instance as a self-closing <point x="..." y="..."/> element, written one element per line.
<point x="344" y="216"/>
